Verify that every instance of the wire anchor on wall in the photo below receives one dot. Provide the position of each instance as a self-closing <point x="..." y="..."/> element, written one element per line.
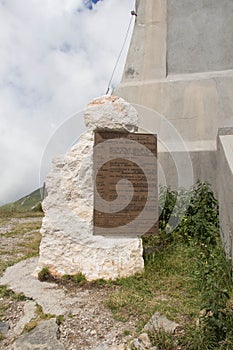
<point x="133" y="13"/>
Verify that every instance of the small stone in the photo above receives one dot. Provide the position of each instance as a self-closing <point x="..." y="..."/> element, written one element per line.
<point x="109" y="347"/>
<point x="158" y="321"/>
<point x="137" y="345"/>
<point x="4" y="327"/>
<point x="117" y="347"/>
<point x="145" y="340"/>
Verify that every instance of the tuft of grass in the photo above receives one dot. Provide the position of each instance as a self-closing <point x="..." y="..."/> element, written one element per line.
<point x="100" y="282"/>
<point x="30" y="326"/>
<point x="78" y="278"/>
<point x="42" y="315"/>
<point x="126" y="332"/>
<point x="60" y="319"/>
<point x="8" y="293"/>
<point x="44" y="274"/>
<point x="163" y="340"/>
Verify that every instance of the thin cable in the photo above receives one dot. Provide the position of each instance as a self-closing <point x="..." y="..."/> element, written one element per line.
<point x="119" y="56"/>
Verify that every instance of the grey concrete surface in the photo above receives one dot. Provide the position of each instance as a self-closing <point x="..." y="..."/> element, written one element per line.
<point x="225" y="187"/>
<point x="204" y="167"/>
<point x="180" y="64"/>
<point x="199" y="36"/>
<point x="197" y="105"/>
<point x="150" y="24"/>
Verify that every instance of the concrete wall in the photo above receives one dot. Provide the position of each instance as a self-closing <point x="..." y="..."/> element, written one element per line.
<point x="225" y="187"/>
<point x="197" y="105"/>
<point x="200" y="35"/>
<point x="150" y="24"/>
<point x="194" y="40"/>
<point x="205" y="169"/>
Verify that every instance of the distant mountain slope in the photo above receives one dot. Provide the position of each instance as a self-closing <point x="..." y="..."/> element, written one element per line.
<point x="31" y="202"/>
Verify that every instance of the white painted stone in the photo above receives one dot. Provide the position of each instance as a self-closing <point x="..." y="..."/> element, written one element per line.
<point x="68" y="245"/>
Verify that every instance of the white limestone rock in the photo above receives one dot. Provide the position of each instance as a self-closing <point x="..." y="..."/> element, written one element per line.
<point x="111" y="113"/>
<point x="68" y="245"/>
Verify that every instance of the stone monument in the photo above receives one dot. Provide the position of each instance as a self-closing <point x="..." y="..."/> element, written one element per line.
<point x="69" y="245"/>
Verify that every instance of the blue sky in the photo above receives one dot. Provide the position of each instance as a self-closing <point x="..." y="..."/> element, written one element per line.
<point x="89" y="3"/>
<point x="55" y="56"/>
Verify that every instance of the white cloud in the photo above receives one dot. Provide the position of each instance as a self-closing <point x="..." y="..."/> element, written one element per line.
<point x="54" y="57"/>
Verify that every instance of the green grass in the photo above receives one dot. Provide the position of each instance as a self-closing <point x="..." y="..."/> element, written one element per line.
<point x="6" y="293"/>
<point x="22" y="229"/>
<point x="41" y="315"/>
<point x="171" y="285"/>
<point x="23" y="241"/>
<point x="6" y="216"/>
<point x="30" y="326"/>
<point x="78" y="278"/>
<point x="186" y="271"/>
<point x="167" y="285"/>
<point x="29" y="203"/>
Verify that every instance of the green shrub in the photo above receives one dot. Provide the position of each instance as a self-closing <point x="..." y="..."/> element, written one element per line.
<point x="198" y="228"/>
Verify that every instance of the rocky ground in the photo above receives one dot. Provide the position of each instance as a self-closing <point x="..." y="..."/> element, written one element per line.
<point x="84" y="321"/>
<point x="85" y="324"/>
<point x="58" y="315"/>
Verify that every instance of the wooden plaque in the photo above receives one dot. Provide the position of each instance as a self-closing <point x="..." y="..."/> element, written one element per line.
<point x="129" y="207"/>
